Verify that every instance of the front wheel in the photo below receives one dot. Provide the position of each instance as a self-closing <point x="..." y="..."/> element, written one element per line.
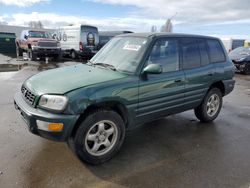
<point x="99" y="137"/>
<point x="73" y="54"/>
<point x="210" y="107"/>
<point x="58" y="58"/>
<point x="31" y="55"/>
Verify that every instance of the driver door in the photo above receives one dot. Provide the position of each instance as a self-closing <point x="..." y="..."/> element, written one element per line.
<point x="162" y="94"/>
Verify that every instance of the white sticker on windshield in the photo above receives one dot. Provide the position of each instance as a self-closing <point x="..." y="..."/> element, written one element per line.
<point x="133" y="47"/>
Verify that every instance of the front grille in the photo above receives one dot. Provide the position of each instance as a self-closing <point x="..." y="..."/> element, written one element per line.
<point x="29" y="96"/>
<point x="47" y="44"/>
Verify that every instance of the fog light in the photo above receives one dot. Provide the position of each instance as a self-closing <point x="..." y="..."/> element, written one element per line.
<point x="47" y="126"/>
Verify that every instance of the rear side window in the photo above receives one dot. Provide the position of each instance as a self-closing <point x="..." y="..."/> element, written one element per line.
<point x="190" y="53"/>
<point x="215" y="51"/>
<point x="203" y="52"/>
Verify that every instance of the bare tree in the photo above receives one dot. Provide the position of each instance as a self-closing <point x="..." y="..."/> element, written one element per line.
<point x="153" y="28"/>
<point x="36" y="24"/>
<point x="167" y="27"/>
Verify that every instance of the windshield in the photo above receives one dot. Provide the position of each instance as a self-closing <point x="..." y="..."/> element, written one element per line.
<point x="123" y="53"/>
<point x="240" y="51"/>
<point x="39" y="34"/>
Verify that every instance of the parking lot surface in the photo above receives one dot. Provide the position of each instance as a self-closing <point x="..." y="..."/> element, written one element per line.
<point x="176" y="151"/>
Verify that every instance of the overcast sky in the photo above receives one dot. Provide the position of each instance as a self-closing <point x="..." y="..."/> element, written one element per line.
<point x="213" y="17"/>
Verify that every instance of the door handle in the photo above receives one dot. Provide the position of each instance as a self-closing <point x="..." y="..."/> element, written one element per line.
<point x="210" y="74"/>
<point x="178" y="80"/>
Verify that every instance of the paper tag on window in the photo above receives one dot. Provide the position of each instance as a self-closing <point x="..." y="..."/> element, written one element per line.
<point x="132" y="47"/>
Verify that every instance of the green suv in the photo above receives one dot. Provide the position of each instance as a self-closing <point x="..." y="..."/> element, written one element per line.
<point x="134" y="79"/>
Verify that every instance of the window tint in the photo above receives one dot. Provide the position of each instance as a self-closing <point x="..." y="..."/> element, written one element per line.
<point x="203" y="52"/>
<point x="165" y="53"/>
<point x="190" y="53"/>
<point x="215" y="51"/>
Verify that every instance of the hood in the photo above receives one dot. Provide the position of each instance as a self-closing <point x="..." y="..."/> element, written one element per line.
<point x="65" y="79"/>
<point x="238" y="56"/>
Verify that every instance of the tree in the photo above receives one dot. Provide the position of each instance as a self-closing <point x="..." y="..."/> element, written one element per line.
<point x="167" y="27"/>
<point x="36" y="24"/>
<point x="153" y="28"/>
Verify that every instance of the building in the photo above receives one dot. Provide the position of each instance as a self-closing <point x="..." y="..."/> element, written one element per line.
<point x="15" y="29"/>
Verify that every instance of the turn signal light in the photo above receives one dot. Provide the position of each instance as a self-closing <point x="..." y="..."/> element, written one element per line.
<point x="55" y="126"/>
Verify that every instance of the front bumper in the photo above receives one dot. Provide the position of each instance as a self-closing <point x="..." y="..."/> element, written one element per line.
<point x="31" y="114"/>
<point x="240" y="66"/>
<point x="45" y="52"/>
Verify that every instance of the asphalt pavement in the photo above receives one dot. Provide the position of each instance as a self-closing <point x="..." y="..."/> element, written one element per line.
<point x="177" y="151"/>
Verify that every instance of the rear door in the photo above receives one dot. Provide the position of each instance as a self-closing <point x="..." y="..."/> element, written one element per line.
<point x="162" y="94"/>
<point x="90" y="38"/>
<point x="197" y="69"/>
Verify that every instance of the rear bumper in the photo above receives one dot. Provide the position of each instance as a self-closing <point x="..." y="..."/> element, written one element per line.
<point x="87" y="52"/>
<point x="30" y="115"/>
<point x="229" y="86"/>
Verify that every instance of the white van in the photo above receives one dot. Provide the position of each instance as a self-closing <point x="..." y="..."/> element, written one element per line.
<point x="78" y="40"/>
<point x="230" y="43"/>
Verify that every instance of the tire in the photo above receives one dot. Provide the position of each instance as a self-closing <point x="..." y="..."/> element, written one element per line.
<point x="99" y="137"/>
<point x="73" y="54"/>
<point x="58" y="58"/>
<point x="246" y="69"/>
<point x="207" y="113"/>
<point x="19" y="51"/>
<point x="31" y="55"/>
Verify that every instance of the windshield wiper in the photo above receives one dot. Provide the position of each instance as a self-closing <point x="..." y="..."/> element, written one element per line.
<point x="112" y="67"/>
<point x="89" y="62"/>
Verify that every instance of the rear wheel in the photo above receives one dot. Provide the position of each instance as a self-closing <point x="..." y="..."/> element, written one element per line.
<point x="99" y="137"/>
<point x="210" y="107"/>
<point x="19" y="51"/>
<point x="31" y="55"/>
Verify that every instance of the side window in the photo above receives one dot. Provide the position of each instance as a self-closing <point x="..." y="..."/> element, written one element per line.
<point x="165" y="53"/>
<point x="190" y="53"/>
<point x="203" y="52"/>
<point x="215" y="51"/>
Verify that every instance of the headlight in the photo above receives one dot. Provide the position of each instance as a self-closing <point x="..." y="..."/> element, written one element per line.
<point x="34" y="44"/>
<point x="241" y="59"/>
<point x="53" y="102"/>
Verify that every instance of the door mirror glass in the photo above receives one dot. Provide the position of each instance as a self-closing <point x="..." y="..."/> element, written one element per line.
<point x="153" y="69"/>
<point x="26" y="37"/>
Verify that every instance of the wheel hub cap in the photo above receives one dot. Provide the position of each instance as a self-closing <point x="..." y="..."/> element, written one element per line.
<point x="213" y="104"/>
<point x="101" y="138"/>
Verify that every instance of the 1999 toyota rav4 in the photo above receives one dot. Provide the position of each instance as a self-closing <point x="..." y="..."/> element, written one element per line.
<point x="134" y="79"/>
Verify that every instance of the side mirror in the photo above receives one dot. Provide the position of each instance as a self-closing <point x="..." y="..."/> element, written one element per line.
<point x="153" y="69"/>
<point x="26" y="37"/>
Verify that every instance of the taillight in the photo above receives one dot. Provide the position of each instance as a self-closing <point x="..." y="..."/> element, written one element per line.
<point x="80" y="46"/>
